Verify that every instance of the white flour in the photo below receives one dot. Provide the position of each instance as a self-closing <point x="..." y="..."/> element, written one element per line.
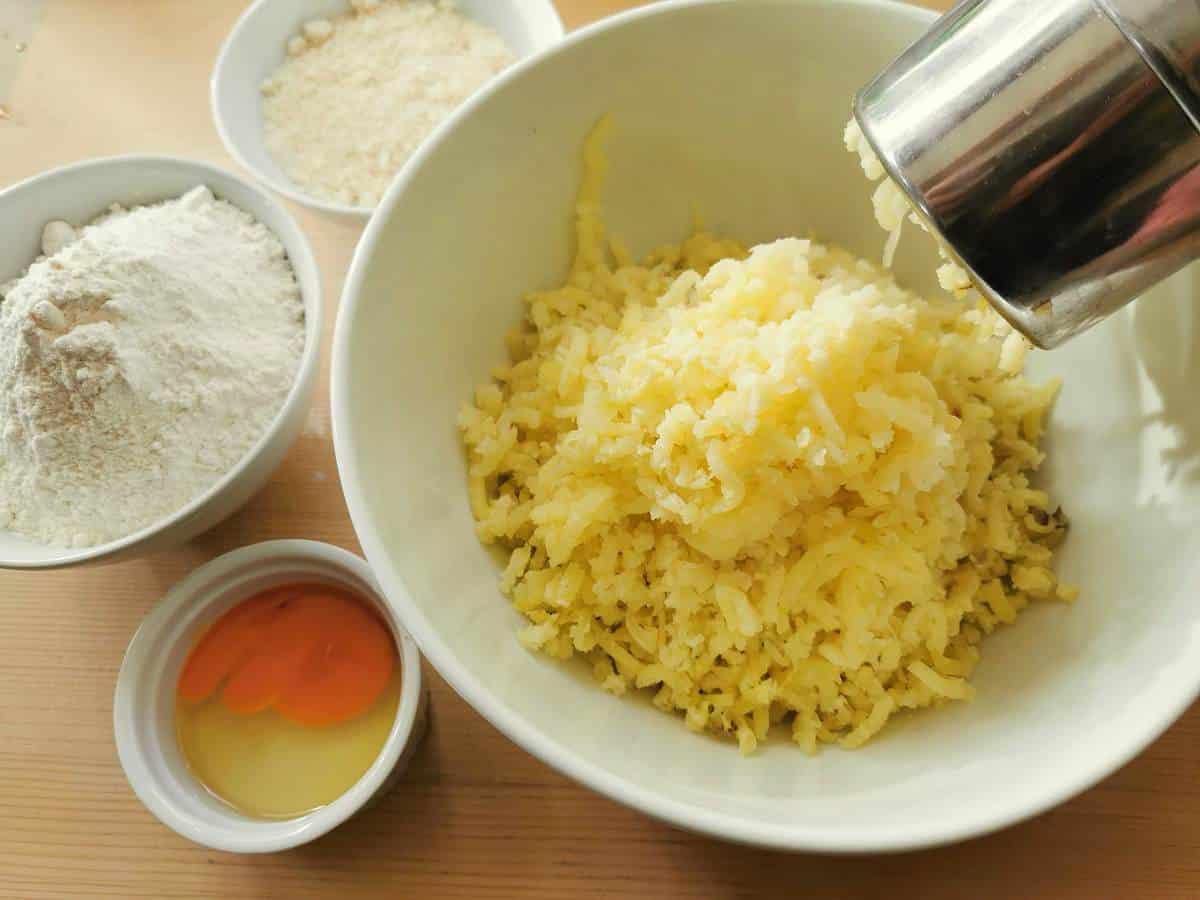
<point x="358" y="94"/>
<point x="138" y="363"/>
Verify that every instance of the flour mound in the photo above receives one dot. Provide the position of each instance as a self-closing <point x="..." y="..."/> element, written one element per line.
<point x="139" y="360"/>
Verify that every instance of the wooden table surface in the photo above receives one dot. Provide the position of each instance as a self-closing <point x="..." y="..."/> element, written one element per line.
<point x="474" y="816"/>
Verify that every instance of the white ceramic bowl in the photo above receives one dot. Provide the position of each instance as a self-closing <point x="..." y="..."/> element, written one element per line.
<point x="80" y="192"/>
<point x="740" y="107"/>
<point x="144" y="704"/>
<point x="256" y="47"/>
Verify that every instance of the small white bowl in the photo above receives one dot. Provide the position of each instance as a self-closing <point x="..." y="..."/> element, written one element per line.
<point x="144" y="706"/>
<point x="256" y="47"/>
<point x="79" y="193"/>
<point x="752" y="135"/>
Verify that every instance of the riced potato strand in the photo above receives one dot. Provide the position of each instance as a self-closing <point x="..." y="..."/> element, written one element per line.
<point x="769" y="486"/>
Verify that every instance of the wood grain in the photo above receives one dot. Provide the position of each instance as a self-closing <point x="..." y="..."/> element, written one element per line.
<point x="475" y="816"/>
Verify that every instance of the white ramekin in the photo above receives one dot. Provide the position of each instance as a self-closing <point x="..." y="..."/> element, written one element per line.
<point x="144" y="706"/>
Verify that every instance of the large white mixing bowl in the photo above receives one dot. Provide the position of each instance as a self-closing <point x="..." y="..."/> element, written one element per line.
<point x="739" y="106"/>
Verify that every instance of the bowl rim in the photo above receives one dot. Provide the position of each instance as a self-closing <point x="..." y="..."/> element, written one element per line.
<point x="283" y="186"/>
<point x="236" y="568"/>
<point x="314" y="316"/>
<point x="971" y="822"/>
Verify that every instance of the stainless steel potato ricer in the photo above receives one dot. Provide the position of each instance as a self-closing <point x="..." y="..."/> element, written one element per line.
<point x="1053" y="145"/>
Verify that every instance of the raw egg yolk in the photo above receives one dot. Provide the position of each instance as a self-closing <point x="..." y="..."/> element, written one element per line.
<point x="313" y="653"/>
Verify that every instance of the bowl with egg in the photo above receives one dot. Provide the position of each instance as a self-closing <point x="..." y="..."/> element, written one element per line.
<point x="268" y="697"/>
<point x="323" y="101"/>
<point x="161" y="327"/>
<point x="694" y="499"/>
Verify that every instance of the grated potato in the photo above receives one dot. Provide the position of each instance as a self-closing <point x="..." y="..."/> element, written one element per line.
<point x="770" y="486"/>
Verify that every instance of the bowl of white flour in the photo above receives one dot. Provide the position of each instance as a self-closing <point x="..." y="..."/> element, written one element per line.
<point x="324" y="101"/>
<point x="160" y="323"/>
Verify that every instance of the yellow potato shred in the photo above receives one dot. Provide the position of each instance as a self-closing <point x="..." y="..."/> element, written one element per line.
<point x="769" y="486"/>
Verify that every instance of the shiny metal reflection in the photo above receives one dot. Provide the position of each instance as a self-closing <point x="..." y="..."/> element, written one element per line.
<point x="1051" y="144"/>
